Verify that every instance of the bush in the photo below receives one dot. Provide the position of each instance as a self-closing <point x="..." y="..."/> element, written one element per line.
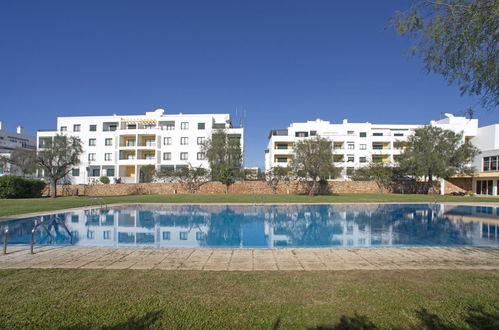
<point x="17" y="187"/>
<point x="104" y="179"/>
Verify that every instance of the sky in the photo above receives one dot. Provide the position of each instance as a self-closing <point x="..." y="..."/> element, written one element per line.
<point x="274" y="62"/>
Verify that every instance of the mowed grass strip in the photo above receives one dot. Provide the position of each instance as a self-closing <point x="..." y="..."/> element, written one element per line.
<point x="138" y="299"/>
<point x="22" y="206"/>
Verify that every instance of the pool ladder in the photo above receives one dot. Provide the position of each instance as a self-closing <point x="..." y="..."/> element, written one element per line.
<point x="102" y="203"/>
<point x="38" y="223"/>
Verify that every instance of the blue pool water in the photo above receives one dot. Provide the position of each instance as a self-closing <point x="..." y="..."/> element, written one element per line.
<point x="265" y="226"/>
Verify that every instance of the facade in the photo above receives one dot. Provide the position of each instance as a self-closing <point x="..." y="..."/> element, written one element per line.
<point x="356" y="144"/>
<point x="9" y="141"/>
<point x="119" y="146"/>
<point x="486" y="180"/>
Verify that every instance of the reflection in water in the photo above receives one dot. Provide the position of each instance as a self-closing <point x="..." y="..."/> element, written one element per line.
<point x="350" y="225"/>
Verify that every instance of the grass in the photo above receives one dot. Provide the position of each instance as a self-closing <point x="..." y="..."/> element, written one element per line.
<point x="80" y="299"/>
<point x="21" y="206"/>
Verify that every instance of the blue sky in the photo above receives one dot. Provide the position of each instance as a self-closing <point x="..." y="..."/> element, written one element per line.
<point x="278" y="61"/>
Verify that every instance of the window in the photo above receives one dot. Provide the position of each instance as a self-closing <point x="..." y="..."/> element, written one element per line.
<point x="167" y="156"/>
<point x="282" y="159"/>
<point x="95" y="172"/>
<point x="76" y="128"/>
<point x="351" y="146"/>
<point x="183" y="156"/>
<point x="350" y="159"/>
<point x="201" y="156"/>
<point x="108" y="142"/>
<point x="106" y="234"/>
<point x="184" y="141"/>
<point x="167" y="141"/>
<point x="183" y="235"/>
<point x="199" y="235"/>
<point x="484" y="187"/>
<point x="377" y="146"/>
<point x="282" y="146"/>
<point x="170" y="126"/>
<point x="150" y="142"/>
<point x="91" y="157"/>
<point x="201" y="125"/>
<point x="64" y="128"/>
<point x="107" y="156"/>
<point x="150" y="156"/>
<point x="398" y="134"/>
<point x="184" y="125"/>
<point x="350" y="132"/>
<point x="377" y="159"/>
<point x="363" y="159"/>
<point x="200" y="140"/>
<point x="377" y="134"/>
<point x="166" y="236"/>
<point x="490" y="163"/>
<point x="90" y="234"/>
<point x="110" y="172"/>
<point x="363" y="134"/>
<point x="301" y="134"/>
<point x="363" y="146"/>
<point x="313" y="133"/>
<point x="131" y="126"/>
<point x="75" y="172"/>
<point x="75" y="218"/>
<point x="93" y="128"/>
<point x="91" y="142"/>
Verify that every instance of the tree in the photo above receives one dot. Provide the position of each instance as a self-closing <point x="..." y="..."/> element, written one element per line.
<point x="313" y="160"/>
<point x="375" y="171"/>
<point x="57" y="157"/>
<point x="191" y="178"/>
<point x="227" y="177"/>
<point x="433" y="152"/>
<point x="147" y="173"/>
<point x="224" y="155"/>
<point x="457" y="39"/>
<point x="276" y="175"/>
<point x="22" y="160"/>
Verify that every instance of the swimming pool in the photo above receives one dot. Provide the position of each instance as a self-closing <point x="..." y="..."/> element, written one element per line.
<point x="264" y="226"/>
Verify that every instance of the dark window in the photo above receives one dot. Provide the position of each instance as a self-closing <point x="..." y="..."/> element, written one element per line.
<point x="399" y="134"/>
<point x="93" y="128"/>
<point x="363" y="159"/>
<point x="377" y="134"/>
<point x="131" y="126"/>
<point x="201" y="125"/>
<point x="313" y="133"/>
<point x="362" y="134"/>
<point x="95" y="172"/>
<point x="301" y="134"/>
<point x="75" y="172"/>
<point x="350" y="159"/>
<point x="166" y="236"/>
<point x="282" y="159"/>
<point x="110" y="172"/>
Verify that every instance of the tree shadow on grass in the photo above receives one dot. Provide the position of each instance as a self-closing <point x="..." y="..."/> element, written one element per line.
<point x="476" y="318"/>
<point x="147" y="321"/>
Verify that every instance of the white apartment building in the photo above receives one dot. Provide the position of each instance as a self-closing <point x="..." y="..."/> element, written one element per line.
<point x="486" y="180"/>
<point x="118" y="146"/>
<point x="356" y="144"/>
<point x="9" y="141"/>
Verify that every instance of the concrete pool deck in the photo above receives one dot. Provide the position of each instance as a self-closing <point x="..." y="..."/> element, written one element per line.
<point x="71" y="257"/>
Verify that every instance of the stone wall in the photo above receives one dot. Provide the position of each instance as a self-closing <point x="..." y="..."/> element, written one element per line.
<point x="248" y="187"/>
<point x="458" y="185"/>
<point x="241" y="187"/>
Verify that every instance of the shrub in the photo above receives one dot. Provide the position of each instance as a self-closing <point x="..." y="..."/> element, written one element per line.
<point x="104" y="179"/>
<point x="17" y="187"/>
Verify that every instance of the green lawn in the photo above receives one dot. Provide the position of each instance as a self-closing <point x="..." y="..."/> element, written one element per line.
<point x="80" y="299"/>
<point x="20" y="206"/>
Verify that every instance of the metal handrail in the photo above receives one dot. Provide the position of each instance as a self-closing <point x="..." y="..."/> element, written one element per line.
<point x="57" y="219"/>
<point x="100" y="200"/>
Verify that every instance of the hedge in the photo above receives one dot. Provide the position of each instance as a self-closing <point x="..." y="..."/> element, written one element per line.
<point x="18" y="187"/>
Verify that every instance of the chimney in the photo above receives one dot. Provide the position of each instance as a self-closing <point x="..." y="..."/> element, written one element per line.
<point x="1" y="125"/>
<point x="20" y="130"/>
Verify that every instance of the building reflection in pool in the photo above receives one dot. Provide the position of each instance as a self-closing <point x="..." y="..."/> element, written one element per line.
<point x="252" y="226"/>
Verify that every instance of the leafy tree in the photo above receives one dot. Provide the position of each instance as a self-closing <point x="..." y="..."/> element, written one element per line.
<point x="379" y="172"/>
<point x="313" y="160"/>
<point x="57" y="157"/>
<point x="147" y="173"/>
<point x="227" y="177"/>
<point x="22" y="160"/>
<point x="191" y="178"/>
<point x="276" y="175"/>
<point x="224" y="155"/>
<point x="433" y="152"/>
<point x="104" y="179"/>
<point x="457" y="39"/>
